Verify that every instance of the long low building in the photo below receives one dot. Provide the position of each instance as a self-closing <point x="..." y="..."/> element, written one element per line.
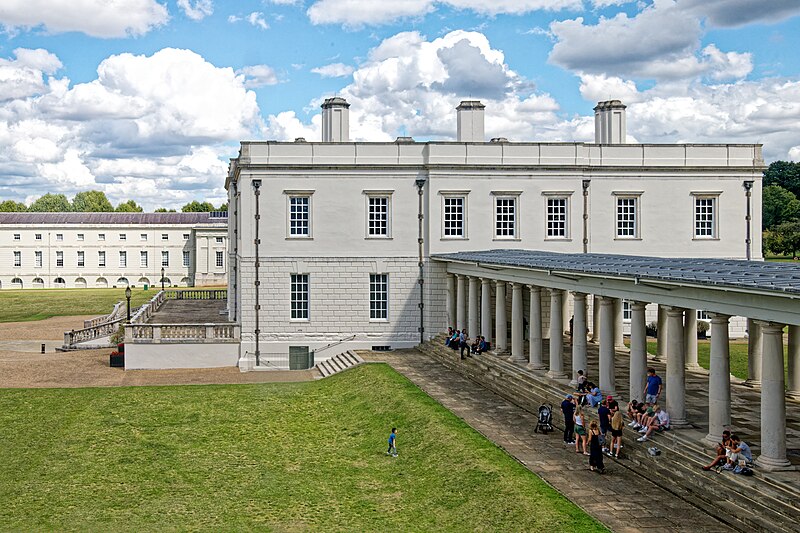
<point x="79" y="250"/>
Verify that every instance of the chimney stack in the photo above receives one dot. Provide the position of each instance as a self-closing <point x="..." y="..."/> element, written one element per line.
<point x="335" y="120"/>
<point x="609" y="122"/>
<point x="470" y="121"/>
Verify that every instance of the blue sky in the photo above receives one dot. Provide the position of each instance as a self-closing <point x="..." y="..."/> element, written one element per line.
<point x="147" y="99"/>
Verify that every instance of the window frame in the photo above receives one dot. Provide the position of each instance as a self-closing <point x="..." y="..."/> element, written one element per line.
<point x="504" y="196"/>
<point x="59" y="237"/>
<point x="379" y="299"/>
<point x="123" y="259"/>
<point x="143" y="237"/>
<point x="143" y="259"/>
<point x="80" y="259"/>
<point x="550" y="196"/>
<point x="17" y="236"/>
<point x="101" y="258"/>
<point x="123" y="236"/>
<point x="297" y="306"/>
<point x="37" y="236"/>
<point x="637" y="214"/>
<point x="187" y="262"/>
<point x="309" y="197"/>
<point x="164" y="258"/>
<point x="698" y="196"/>
<point x="455" y="195"/>
<point x="219" y="259"/>
<point x="369" y="196"/>
<point x="17" y="258"/>
<point x="59" y="259"/>
<point x="101" y="236"/>
<point x="38" y="259"/>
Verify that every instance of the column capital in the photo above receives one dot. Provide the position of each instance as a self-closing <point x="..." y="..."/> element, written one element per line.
<point x="769" y="327"/>
<point x="605" y="300"/>
<point x="637" y="305"/>
<point x="673" y="311"/>
<point x="556" y="293"/>
<point x="486" y="281"/>
<point x="515" y="285"/>
<point x="719" y="318"/>
<point x="499" y="282"/>
<point x="579" y="295"/>
<point x="535" y="288"/>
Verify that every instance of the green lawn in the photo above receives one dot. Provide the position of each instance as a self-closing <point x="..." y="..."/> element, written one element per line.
<point x="280" y="457"/>
<point x="38" y="304"/>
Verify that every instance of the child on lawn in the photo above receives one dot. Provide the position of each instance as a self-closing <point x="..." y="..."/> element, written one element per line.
<point x="392" y="443"/>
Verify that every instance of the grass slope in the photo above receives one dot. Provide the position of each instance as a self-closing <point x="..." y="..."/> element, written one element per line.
<point x="738" y="356"/>
<point x="37" y="304"/>
<point x="277" y="457"/>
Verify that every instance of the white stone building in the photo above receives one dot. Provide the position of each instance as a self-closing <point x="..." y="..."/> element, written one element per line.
<point x="341" y="228"/>
<point x="54" y="250"/>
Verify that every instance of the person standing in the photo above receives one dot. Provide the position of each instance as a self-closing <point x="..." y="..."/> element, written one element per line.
<point x="580" y="431"/>
<point x="595" y="450"/>
<point x="463" y="343"/>
<point x="652" y="390"/>
<point x="617" y="423"/>
<point x="568" y="408"/>
<point x="604" y="416"/>
<point x="392" y="443"/>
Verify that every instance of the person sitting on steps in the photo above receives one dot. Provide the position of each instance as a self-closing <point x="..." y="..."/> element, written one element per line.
<point x="660" y="422"/>
<point x="738" y="451"/>
<point x="721" y="451"/>
<point x="450" y="332"/>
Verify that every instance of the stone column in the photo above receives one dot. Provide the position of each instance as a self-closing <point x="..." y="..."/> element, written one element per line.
<point x="501" y="336"/>
<point x="719" y="379"/>
<point x="619" y="337"/>
<point x="472" y="314"/>
<point x="578" y="336"/>
<point x="595" y="319"/>
<point x="638" y="363"/>
<point x="661" y="333"/>
<point x="517" y="341"/>
<point x="676" y="368"/>
<point x="486" y="309"/>
<point x="753" y="353"/>
<point x="773" y="400"/>
<point x="690" y="336"/>
<point x="556" y="334"/>
<point x="535" y="355"/>
<point x="451" y="301"/>
<point x="565" y="316"/>
<point x="794" y="362"/>
<point x="460" y="301"/>
<point x="607" y="351"/>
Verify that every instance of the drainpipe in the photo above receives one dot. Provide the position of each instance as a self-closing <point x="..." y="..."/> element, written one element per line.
<point x="420" y="182"/>
<point x="748" y="192"/>
<point x="585" y="185"/>
<point x="257" y="242"/>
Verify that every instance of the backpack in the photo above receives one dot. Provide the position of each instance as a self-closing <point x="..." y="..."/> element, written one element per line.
<point x="743" y="470"/>
<point x="654" y="451"/>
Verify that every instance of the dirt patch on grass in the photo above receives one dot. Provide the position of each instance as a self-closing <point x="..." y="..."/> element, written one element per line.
<point x="47" y="329"/>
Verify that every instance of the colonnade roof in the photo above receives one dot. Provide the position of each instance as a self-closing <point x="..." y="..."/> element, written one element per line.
<point x="781" y="277"/>
<point x="755" y="289"/>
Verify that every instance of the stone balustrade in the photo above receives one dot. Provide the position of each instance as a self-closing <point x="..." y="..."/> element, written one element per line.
<point x="117" y="312"/>
<point x="196" y="294"/>
<point x="182" y="333"/>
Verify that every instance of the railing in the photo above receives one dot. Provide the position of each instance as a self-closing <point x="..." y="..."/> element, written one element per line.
<point x="117" y="312"/>
<point x="218" y="214"/>
<point x="147" y="310"/>
<point x="191" y="333"/>
<point x="196" y="294"/>
<point x="331" y="345"/>
<point x="77" y="336"/>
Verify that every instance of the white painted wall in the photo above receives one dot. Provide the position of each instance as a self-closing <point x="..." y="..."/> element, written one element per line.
<point x="184" y="355"/>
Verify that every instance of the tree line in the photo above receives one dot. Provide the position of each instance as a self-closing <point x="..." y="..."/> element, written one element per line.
<point x="95" y="202"/>
<point x="781" y="209"/>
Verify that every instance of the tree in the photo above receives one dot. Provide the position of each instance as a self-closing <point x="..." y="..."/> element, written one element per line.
<point x="196" y="207"/>
<point x="223" y="207"/>
<point x="164" y="210"/>
<point x="10" y="206"/>
<point x="787" y="238"/>
<point x="53" y="203"/>
<point x="777" y="206"/>
<point x="783" y="173"/>
<point x="91" y="202"/>
<point x="129" y="207"/>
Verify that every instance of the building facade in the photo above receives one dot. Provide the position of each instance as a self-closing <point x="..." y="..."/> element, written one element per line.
<point x="330" y="241"/>
<point x="79" y="250"/>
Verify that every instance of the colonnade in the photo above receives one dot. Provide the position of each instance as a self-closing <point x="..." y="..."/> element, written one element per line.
<point x="677" y="344"/>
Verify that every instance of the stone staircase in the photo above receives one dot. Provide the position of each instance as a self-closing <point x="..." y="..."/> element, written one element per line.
<point x="760" y="503"/>
<point x="338" y="363"/>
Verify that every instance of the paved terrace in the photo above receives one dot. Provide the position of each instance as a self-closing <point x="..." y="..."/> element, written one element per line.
<point x="191" y="312"/>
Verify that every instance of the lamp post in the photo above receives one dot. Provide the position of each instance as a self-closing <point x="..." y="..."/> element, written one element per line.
<point x="128" y="297"/>
<point x="162" y="278"/>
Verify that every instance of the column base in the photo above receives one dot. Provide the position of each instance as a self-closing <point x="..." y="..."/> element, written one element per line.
<point x="771" y="464"/>
<point x="519" y="359"/>
<point x="679" y="423"/>
<point x="557" y="374"/>
<point x="536" y="366"/>
<point x="752" y="383"/>
<point x="712" y="440"/>
<point x="793" y="394"/>
<point x="694" y="367"/>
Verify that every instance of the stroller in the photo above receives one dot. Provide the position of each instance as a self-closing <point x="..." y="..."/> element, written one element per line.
<point x="545" y="422"/>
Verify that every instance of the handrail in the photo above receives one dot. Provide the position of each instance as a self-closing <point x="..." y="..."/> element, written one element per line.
<point x="331" y="345"/>
<point x="113" y="315"/>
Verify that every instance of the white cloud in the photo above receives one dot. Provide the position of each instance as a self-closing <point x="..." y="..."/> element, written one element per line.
<point x="197" y="10"/>
<point x="258" y="76"/>
<point x="729" y="13"/>
<point x="23" y="76"/>
<point x="98" y="18"/>
<point x="356" y="13"/>
<point x="162" y="121"/>
<point x="334" y="70"/>
<point x="256" y="18"/>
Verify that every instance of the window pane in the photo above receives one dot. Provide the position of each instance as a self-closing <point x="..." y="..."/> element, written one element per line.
<point x="299" y="296"/>
<point x="101" y="259"/>
<point x="378" y="223"/>
<point x="298" y="215"/>
<point x="186" y="259"/>
<point x="556" y="217"/>
<point x="454" y="217"/>
<point x="506" y="217"/>
<point x="626" y="217"/>
<point x="379" y="296"/>
<point x="38" y="258"/>
<point x="704" y="217"/>
<point x="143" y="259"/>
<point x="123" y="259"/>
<point x="219" y="258"/>
<point x="164" y="259"/>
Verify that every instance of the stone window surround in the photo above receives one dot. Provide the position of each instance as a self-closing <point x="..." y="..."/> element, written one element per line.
<point x="464" y="195"/>
<point x="567" y="196"/>
<point x="301" y="286"/>
<point x="369" y="194"/>
<point x="295" y="193"/>
<point x="383" y="296"/>
<point x="637" y="197"/>
<point x="706" y="195"/>
<point x="506" y="195"/>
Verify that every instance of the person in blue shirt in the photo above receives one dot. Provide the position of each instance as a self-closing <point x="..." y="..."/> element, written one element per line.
<point x="594" y="397"/>
<point x="738" y="450"/>
<point x="652" y="390"/>
<point x="392" y="443"/>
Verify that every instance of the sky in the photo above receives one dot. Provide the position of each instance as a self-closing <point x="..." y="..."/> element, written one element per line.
<point x="149" y="99"/>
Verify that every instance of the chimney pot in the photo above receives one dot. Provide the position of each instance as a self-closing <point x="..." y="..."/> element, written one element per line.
<point x="609" y="122"/>
<point x="335" y="120"/>
<point x="470" y="121"/>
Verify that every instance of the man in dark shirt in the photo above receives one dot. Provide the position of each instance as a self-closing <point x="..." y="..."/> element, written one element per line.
<point x="604" y="414"/>
<point x="568" y="408"/>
